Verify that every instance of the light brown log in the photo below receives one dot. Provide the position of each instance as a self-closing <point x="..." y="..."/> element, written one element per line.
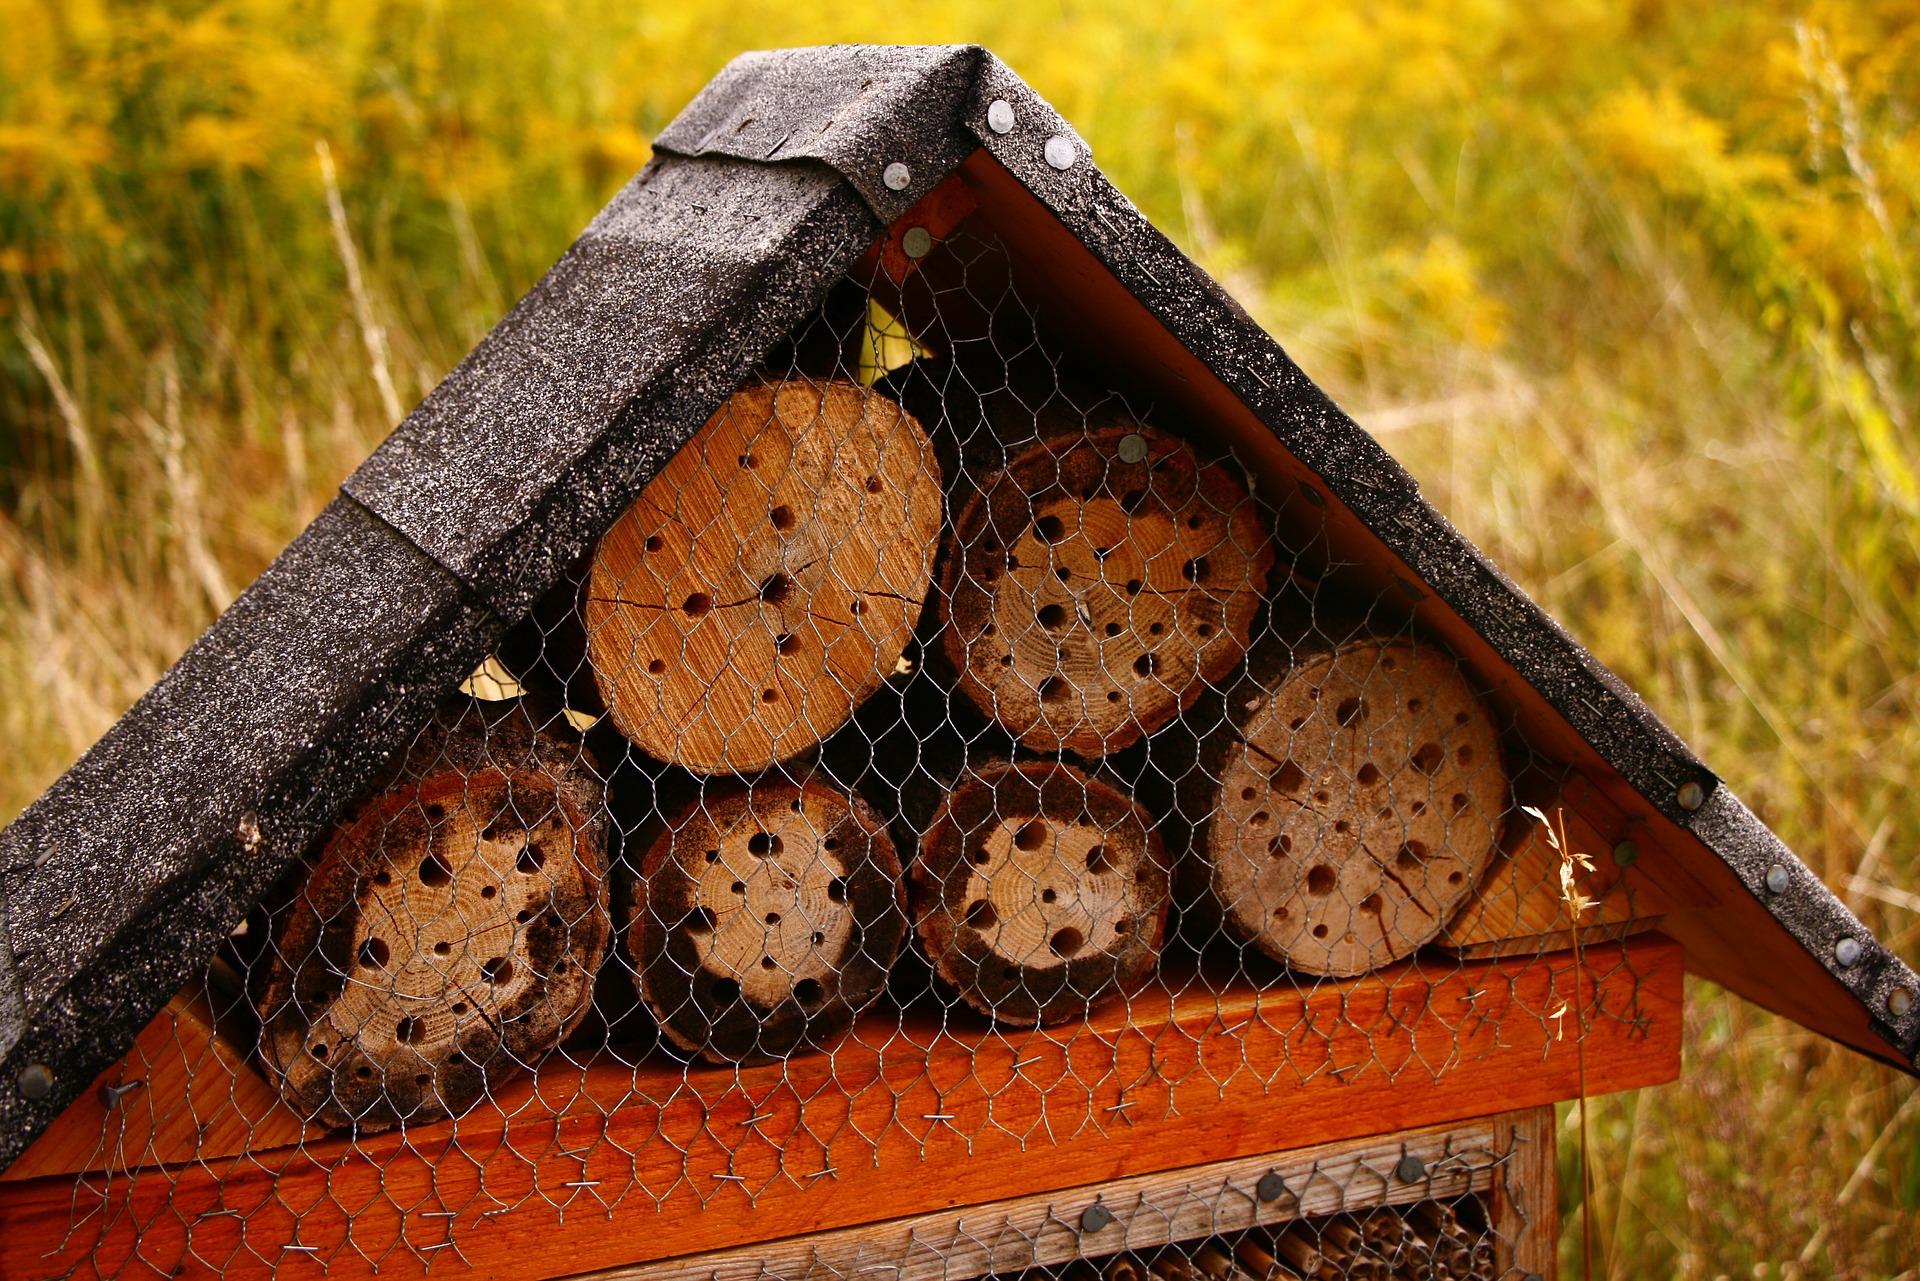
<point x="768" y="579"/>
<point x="1124" y="1267"/>
<point x="448" y="935"/>
<point x="1349" y="803"/>
<point x="765" y="916"/>
<point x="1040" y="892"/>
<point x="1097" y="585"/>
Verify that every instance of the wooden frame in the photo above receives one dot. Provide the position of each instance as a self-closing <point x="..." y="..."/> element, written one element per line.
<point x="737" y="1157"/>
<point x="1507" y="1159"/>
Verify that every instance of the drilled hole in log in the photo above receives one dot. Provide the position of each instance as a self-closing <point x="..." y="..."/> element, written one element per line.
<point x="1066" y="943"/>
<point x="782" y="517"/>
<point x="696" y="604"/>
<point x="434" y="870"/>
<point x="374" y="953"/>
<point x="1321" y="879"/>
<point x="1053" y="617"/>
<point x="409" y="1030"/>
<point x="530" y="859"/>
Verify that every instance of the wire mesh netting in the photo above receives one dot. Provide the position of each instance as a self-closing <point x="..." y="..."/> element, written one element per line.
<point x="948" y="742"/>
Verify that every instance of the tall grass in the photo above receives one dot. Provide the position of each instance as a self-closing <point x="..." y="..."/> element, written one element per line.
<point x="1631" y="288"/>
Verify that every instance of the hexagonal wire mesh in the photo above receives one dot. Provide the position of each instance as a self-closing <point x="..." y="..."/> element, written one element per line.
<point x="942" y="742"/>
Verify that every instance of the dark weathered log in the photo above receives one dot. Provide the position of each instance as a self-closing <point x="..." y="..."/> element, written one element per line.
<point x="764" y="917"/>
<point x="1095" y="586"/>
<point x="1345" y="800"/>
<point x="768" y="579"/>
<point x="1040" y="892"/>
<point x="448" y="934"/>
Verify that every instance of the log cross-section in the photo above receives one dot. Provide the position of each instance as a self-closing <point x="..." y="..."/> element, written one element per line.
<point x="448" y="936"/>
<point x="768" y="579"/>
<point x="1040" y="892"/>
<point x="1351" y="803"/>
<point x="764" y="918"/>
<point x="1098" y="583"/>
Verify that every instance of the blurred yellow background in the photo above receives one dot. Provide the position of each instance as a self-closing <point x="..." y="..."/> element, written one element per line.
<point x="1632" y="288"/>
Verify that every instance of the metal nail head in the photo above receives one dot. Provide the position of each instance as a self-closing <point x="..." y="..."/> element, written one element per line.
<point x="1000" y="116"/>
<point x="1847" y="952"/>
<point x="1691" y="796"/>
<point x="897" y="176"/>
<point x="1133" y="448"/>
<point x="1626" y="854"/>
<point x="1900" y="1002"/>
<point x="1778" y="879"/>
<point x="1410" y="1169"/>
<point x="917" y="243"/>
<point x="35" y="1081"/>
<point x="1272" y="1186"/>
<point x="1095" y="1217"/>
<point x="1061" y="153"/>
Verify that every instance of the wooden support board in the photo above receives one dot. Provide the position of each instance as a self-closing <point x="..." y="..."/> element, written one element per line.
<point x="1216" y="1069"/>
<point x="1493" y="1157"/>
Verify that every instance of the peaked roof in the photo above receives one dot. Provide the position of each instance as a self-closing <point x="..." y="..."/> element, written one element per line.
<point x="118" y="882"/>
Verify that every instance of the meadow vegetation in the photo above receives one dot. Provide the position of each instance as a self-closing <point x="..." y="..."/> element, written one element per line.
<point x="1633" y="288"/>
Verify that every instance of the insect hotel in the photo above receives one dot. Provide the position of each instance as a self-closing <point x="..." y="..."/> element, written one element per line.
<point x="876" y="726"/>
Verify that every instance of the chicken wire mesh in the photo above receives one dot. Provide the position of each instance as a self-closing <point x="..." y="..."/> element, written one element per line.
<point x="946" y="742"/>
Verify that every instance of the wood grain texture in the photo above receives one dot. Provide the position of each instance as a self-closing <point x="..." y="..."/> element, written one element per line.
<point x="1092" y="591"/>
<point x="740" y="1154"/>
<point x="1149" y="1211"/>
<point x="764" y="918"/>
<point x="768" y="579"/>
<point x="184" y="1089"/>
<point x="1524" y="1208"/>
<point x="1040" y="893"/>
<point x="1518" y="906"/>
<point x="1349" y="803"/>
<point x="448" y="935"/>
<point x="1737" y="942"/>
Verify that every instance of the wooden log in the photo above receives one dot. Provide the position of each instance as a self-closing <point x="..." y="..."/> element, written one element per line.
<point x="1040" y="892"/>
<point x="768" y="579"/>
<point x="1124" y="1267"/>
<point x="1348" y="804"/>
<point x="1099" y="583"/>
<point x="448" y="935"/>
<point x="764" y="917"/>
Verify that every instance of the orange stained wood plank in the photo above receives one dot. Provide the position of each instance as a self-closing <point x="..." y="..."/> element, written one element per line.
<point x="1736" y="943"/>
<point x="907" y="1121"/>
<point x="1519" y="905"/>
<point x="183" y="1089"/>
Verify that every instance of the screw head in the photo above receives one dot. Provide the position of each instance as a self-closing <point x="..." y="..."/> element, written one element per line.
<point x="1272" y="1186"/>
<point x="1000" y="116"/>
<point x="917" y="243"/>
<point x="1095" y="1217"/>
<point x="35" y="1082"/>
<point x="897" y="176"/>
<point x="1691" y="796"/>
<point x="1133" y="448"/>
<point x="1626" y="854"/>
<point x="1060" y="151"/>
<point x="1900" y="1002"/>
<point x="1847" y="952"/>
<point x="1778" y="879"/>
<point x="1410" y="1169"/>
